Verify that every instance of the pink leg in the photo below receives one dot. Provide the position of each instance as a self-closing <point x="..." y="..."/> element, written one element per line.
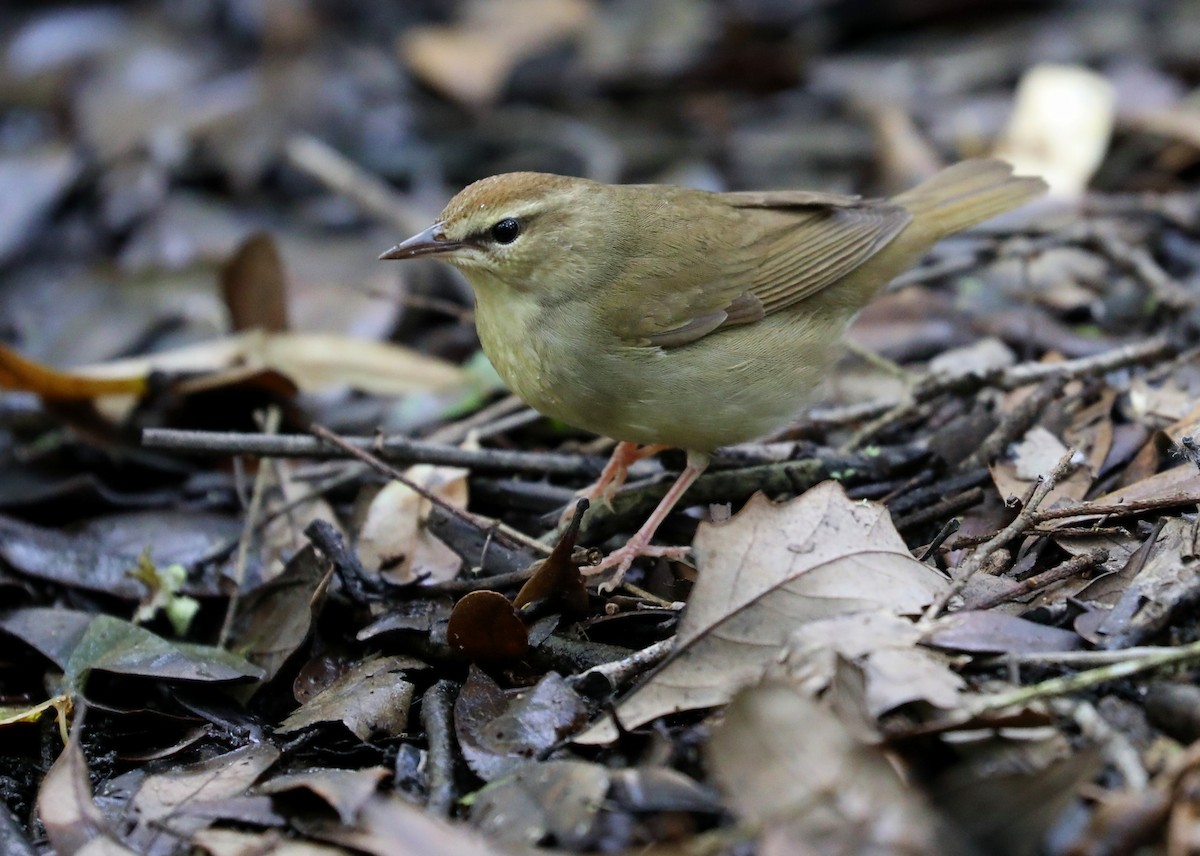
<point x="624" y="456"/>
<point x="639" y="544"/>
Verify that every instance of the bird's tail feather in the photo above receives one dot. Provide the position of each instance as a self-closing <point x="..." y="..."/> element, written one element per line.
<point x="965" y="194"/>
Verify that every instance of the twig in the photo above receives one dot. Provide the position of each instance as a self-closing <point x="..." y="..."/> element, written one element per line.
<point x="1015" y="423"/>
<point x="1141" y="264"/>
<point x="343" y="176"/>
<point x="1066" y="570"/>
<point x="220" y="551"/>
<point x="399" y="449"/>
<point x="1116" y="509"/>
<point x="1024" y="520"/>
<point x="360" y="586"/>
<point x="928" y="387"/>
<point x="952" y="525"/>
<point x="1084" y="680"/>
<point x="437" y="706"/>
<point x="515" y="537"/>
<point x="619" y="672"/>
<point x="456" y="432"/>
<point x="270" y="426"/>
<point x="939" y="511"/>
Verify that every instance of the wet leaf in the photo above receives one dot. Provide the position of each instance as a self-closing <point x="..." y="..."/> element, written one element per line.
<point x="764" y="572"/>
<point x="485" y="627"/>
<point x="557" y="579"/>
<point x="551" y="803"/>
<point x="93" y="561"/>
<point x="274" y="619"/>
<point x="79" y="642"/>
<point x="370" y="698"/>
<point x="498" y="730"/>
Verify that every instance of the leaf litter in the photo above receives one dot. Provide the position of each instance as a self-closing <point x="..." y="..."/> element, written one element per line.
<point x="948" y="611"/>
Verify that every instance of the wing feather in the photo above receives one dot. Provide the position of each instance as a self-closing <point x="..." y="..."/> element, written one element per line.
<point x="799" y="245"/>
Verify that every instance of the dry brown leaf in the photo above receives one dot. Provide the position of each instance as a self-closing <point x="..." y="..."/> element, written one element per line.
<point x="895" y="670"/>
<point x="283" y="536"/>
<point x="313" y="361"/>
<point x="764" y="572"/>
<point x="391" y="826"/>
<point x="159" y="803"/>
<point x="346" y="791"/>
<point x="1033" y="457"/>
<point x="471" y="61"/>
<point x="393" y="539"/>
<point x="485" y="627"/>
<point x="66" y="808"/>
<point x="233" y="842"/>
<point x="1141" y="604"/>
<point x="254" y="286"/>
<point x="790" y="767"/>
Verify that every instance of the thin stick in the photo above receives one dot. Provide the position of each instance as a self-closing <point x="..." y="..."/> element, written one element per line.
<point x="1116" y="509"/>
<point x="270" y="425"/>
<point x="1084" y="680"/>
<point x="342" y="175"/>
<point x="980" y="557"/>
<point x="319" y="489"/>
<point x="515" y="538"/>
<point x="1063" y="571"/>
<point x="618" y="672"/>
<point x="394" y="448"/>
<point x="928" y="387"/>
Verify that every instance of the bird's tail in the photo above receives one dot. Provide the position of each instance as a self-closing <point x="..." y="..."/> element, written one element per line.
<point x="965" y="194"/>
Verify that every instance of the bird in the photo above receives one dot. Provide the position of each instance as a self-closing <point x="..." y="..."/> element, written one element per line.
<point x="664" y="316"/>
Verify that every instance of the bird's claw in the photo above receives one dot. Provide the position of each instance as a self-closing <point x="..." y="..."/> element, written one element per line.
<point x="622" y="558"/>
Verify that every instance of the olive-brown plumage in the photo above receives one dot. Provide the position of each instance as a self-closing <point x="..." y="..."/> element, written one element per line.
<point x="666" y="316"/>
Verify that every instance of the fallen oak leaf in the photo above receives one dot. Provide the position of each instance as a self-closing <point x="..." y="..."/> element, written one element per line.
<point x="761" y="574"/>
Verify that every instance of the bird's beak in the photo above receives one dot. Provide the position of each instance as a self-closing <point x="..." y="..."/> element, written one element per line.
<point x="431" y="242"/>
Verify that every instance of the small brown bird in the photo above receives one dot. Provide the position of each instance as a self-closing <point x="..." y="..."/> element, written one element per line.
<point x="662" y="316"/>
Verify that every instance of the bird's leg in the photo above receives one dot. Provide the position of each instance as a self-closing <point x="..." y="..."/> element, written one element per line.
<point x="639" y="544"/>
<point x="624" y="456"/>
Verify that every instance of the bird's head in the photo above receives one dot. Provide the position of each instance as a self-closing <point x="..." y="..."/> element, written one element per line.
<point x="525" y="231"/>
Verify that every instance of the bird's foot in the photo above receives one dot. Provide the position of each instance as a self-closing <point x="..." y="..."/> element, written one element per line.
<point x="621" y="559"/>
<point x="612" y="478"/>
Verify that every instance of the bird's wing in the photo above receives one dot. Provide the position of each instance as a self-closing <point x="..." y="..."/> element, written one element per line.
<point x="806" y="242"/>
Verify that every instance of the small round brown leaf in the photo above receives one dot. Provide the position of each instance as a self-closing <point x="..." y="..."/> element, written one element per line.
<point x="485" y="627"/>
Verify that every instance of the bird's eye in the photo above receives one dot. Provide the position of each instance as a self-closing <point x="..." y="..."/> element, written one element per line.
<point x="506" y="231"/>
